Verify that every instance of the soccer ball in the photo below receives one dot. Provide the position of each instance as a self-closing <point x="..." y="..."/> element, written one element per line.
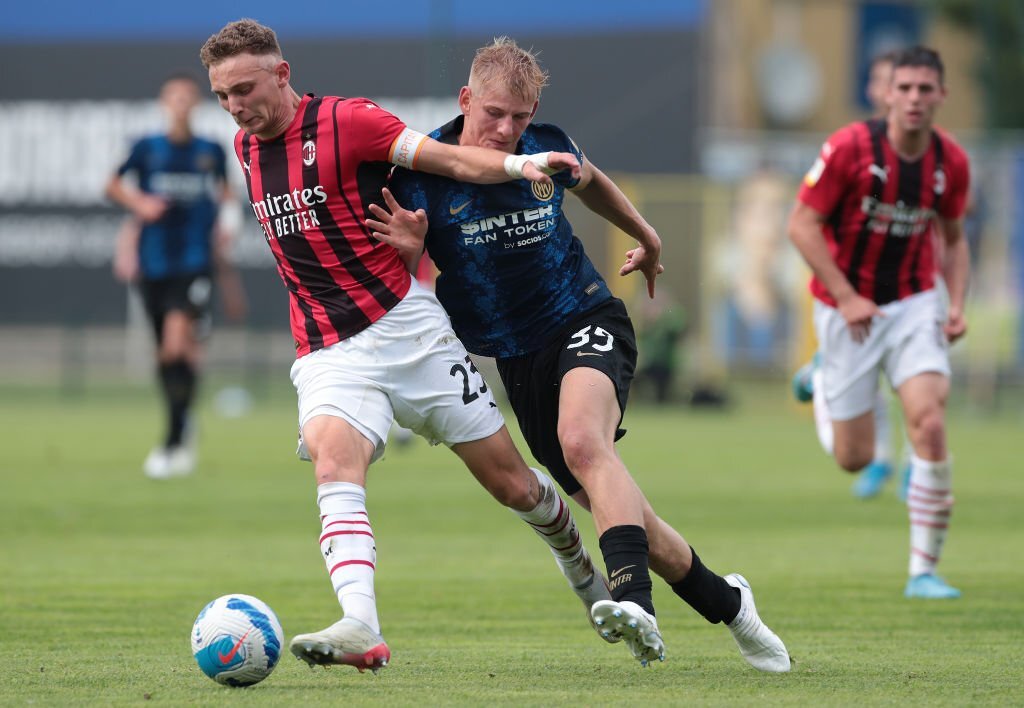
<point x="236" y="640"/>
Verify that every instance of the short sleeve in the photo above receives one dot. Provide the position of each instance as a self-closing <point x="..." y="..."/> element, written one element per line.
<point x="825" y="183"/>
<point x="958" y="181"/>
<point x="134" y="162"/>
<point x="371" y="131"/>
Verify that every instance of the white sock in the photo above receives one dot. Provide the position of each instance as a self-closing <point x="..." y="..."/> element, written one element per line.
<point x="553" y="521"/>
<point x="348" y="549"/>
<point x="907" y="453"/>
<point x="822" y="417"/>
<point x="930" y="502"/>
<point x="883" y="429"/>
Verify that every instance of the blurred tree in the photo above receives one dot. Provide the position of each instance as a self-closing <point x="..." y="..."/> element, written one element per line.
<point x="1000" y="27"/>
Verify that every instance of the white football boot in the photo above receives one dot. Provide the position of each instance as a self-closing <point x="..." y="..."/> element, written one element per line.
<point x="590" y="587"/>
<point x="157" y="464"/>
<point x="628" y="621"/>
<point x="347" y="641"/>
<point x="759" y="645"/>
<point x="593" y="591"/>
<point x="181" y="460"/>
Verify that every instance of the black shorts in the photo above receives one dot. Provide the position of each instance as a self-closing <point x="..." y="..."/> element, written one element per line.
<point x="601" y="339"/>
<point x="191" y="294"/>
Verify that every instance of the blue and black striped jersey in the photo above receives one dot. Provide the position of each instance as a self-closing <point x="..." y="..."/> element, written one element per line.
<point x="191" y="177"/>
<point x="512" y="272"/>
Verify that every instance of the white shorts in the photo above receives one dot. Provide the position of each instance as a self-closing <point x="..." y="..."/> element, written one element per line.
<point x="906" y="342"/>
<point x="408" y="367"/>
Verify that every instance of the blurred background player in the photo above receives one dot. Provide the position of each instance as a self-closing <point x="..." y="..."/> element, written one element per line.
<point x="173" y="246"/>
<point x="864" y="222"/>
<point x="518" y="286"/>
<point x="871" y="479"/>
<point x="372" y="345"/>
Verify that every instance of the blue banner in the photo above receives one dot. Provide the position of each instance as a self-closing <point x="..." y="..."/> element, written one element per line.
<point x="882" y="27"/>
<point x="125" y="20"/>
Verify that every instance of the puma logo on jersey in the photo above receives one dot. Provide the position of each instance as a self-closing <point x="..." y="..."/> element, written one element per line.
<point x="453" y="210"/>
<point x="881" y="173"/>
<point x="246" y="166"/>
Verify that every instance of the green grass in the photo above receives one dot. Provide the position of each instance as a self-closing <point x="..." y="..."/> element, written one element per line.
<point x="103" y="571"/>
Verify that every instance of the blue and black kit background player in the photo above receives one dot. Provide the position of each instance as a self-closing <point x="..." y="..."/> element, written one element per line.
<point x="191" y="177"/>
<point x="176" y="251"/>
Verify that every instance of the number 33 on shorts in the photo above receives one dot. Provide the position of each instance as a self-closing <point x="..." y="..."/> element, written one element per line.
<point x="596" y="338"/>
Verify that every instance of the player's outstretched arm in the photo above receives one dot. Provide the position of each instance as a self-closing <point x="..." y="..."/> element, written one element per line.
<point x="603" y="197"/>
<point x="403" y="230"/>
<point x="466" y="163"/>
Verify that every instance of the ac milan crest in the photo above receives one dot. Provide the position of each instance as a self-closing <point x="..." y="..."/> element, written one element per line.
<point x="308" y="153"/>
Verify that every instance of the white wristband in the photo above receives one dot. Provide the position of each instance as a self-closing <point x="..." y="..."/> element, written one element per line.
<point x="514" y="164"/>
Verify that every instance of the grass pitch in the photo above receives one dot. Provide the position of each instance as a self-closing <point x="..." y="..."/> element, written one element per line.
<point x="102" y="571"/>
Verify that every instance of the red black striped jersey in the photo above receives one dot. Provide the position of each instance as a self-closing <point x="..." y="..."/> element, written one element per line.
<point x="880" y="209"/>
<point x="310" y="189"/>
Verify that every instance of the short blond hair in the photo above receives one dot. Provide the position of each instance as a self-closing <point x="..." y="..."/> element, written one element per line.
<point x="243" y="36"/>
<point x="505" y="63"/>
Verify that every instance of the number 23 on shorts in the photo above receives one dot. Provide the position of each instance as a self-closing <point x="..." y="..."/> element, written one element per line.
<point x="469" y="375"/>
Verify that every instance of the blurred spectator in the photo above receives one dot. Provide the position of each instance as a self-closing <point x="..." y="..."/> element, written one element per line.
<point x="758" y="273"/>
<point x="661" y="325"/>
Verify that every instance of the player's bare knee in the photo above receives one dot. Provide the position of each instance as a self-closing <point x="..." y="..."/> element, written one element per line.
<point x="929" y="435"/>
<point x="514" y="490"/>
<point x="581" y="461"/>
<point x="580" y="451"/>
<point x="853" y="459"/>
<point x="331" y="468"/>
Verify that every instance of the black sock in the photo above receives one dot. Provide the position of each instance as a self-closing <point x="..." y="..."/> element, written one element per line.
<point x="709" y="594"/>
<point x="179" y="383"/>
<point x="626" y="557"/>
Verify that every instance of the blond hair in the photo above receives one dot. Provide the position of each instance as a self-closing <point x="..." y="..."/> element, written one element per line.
<point x="505" y="63"/>
<point x="243" y="36"/>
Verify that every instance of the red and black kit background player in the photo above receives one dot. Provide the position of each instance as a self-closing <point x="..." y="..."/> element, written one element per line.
<point x="310" y="188"/>
<point x="880" y="209"/>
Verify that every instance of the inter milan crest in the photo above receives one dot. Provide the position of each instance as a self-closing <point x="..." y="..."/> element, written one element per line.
<point x="543" y="192"/>
<point x="308" y="153"/>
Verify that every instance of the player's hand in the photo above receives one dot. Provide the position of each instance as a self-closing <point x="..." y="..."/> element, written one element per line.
<point x="557" y="161"/>
<point x="956" y="325"/>
<point x="398" y="227"/>
<point x="149" y="207"/>
<point x="645" y="260"/>
<point x="858" y="311"/>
